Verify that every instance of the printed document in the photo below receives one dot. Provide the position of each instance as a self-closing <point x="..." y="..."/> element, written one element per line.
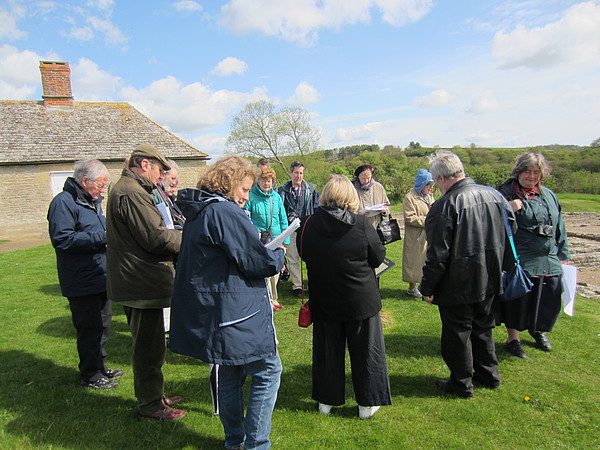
<point x="276" y="242"/>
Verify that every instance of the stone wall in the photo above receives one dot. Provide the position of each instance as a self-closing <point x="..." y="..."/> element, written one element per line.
<point x="27" y="189"/>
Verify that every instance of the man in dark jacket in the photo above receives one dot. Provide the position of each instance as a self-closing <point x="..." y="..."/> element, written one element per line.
<point x="77" y="230"/>
<point x="299" y="199"/>
<point x="463" y="272"/>
<point x="140" y="274"/>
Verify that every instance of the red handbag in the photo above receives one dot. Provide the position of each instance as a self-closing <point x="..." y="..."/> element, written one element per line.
<point x="304" y="316"/>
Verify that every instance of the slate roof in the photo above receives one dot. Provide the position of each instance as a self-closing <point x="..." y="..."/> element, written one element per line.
<point x="30" y="133"/>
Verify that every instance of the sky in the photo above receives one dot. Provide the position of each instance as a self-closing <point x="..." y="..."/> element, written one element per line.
<point x="494" y="73"/>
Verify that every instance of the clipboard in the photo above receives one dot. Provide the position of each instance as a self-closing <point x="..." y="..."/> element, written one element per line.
<point x="386" y="265"/>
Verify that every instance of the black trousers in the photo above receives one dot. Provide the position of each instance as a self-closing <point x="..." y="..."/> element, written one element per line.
<point x="148" y="350"/>
<point x="92" y="317"/>
<point x="367" y="358"/>
<point x="468" y="344"/>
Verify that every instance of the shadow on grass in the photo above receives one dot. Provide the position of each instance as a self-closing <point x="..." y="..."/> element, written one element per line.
<point x="49" y="409"/>
<point x="51" y="289"/>
<point x="411" y="346"/>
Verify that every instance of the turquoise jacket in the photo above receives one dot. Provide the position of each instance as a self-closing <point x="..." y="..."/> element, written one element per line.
<point x="539" y="255"/>
<point x="259" y="207"/>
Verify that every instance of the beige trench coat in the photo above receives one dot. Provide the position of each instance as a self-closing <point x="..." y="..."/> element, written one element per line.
<point x="371" y="197"/>
<point x="415" y="208"/>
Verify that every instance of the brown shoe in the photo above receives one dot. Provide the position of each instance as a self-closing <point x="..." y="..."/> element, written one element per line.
<point x="170" y="401"/>
<point x="165" y="413"/>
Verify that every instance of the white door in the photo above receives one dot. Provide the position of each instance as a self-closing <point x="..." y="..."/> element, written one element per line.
<point x="58" y="178"/>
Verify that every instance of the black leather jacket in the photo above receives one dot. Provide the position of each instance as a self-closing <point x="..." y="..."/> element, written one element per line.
<point x="466" y="241"/>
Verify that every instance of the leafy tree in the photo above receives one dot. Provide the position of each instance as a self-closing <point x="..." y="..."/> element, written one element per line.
<point x="262" y="131"/>
<point x="595" y="143"/>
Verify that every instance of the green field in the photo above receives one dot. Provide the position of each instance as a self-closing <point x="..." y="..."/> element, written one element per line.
<point x="42" y="406"/>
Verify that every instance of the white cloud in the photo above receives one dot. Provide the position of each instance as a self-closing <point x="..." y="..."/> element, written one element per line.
<point x="436" y="99"/>
<point x="19" y="72"/>
<point x="572" y="39"/>
<point x="80" y="33"/>
<point x="112" y="33"/>
<point x="97" y="26"/>
<point x="105" y="5"/>
<point x="357" y="133"/>
<point x="187" y="5"/>
<point x="191" y="108"/>
<point x="230" y="66"/>
<point x="8" y="24"/>
<point x="211" y="143"/>
<point x="485" y="103"/>
<point x="90" y="84"/>
<point x="304" y="94"/>
<point x="301" y="20"/>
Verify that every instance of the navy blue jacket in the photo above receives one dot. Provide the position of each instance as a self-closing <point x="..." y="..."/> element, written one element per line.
<point x="220" y="311"/>
<point x="77" y="230"/>
<point x="304" y="205"/>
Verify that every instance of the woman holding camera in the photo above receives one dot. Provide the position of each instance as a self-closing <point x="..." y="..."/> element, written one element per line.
<point x="541" y="243"/>
<point x="268" y="214"/>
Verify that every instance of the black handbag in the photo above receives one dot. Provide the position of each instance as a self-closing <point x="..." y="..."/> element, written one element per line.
<point x="515" y="283"/>
<point x="389" y="231"/>
<point x="267" y="235"/>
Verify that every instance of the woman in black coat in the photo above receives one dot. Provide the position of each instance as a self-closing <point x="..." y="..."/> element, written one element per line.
<point x="340" y="250"/>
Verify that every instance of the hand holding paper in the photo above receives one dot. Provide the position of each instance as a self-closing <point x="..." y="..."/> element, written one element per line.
<point x="375" y="209"/>
<point x="276" y="242"/>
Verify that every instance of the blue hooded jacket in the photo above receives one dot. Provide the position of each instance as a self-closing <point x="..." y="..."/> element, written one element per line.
<point x="220" y="311"/>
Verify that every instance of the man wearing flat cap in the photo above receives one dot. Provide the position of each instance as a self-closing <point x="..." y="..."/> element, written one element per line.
<point x="140" y="272"/>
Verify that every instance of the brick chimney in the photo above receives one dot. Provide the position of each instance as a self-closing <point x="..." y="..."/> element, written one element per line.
<point x="56" y="82"/>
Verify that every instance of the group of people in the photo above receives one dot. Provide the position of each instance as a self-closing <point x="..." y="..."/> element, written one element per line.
<point x="224" y="289"/>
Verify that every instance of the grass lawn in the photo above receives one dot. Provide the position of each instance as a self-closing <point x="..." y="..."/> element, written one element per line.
<point x="43" y="407"/>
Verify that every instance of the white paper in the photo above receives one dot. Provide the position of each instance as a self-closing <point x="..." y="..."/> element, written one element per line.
<point x="276" y="242"/>
<point x="164" y="210"/>
<point x="375" y="209"/>
<point x="569" y="284"/>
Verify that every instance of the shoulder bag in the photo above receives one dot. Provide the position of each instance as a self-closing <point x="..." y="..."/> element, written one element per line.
<point x="389" y="231"/>
<point x="515" y="283"/>
<point x="305" y="316"/>
<point x="267" y="235"/>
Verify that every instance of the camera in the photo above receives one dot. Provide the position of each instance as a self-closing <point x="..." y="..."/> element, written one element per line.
<point x="544" y="230"/>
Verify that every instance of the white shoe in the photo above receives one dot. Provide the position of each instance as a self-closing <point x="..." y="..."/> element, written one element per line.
<point x="325" y="409"/>
<point x="366" y="412"/>
<point x="414" y="292"/>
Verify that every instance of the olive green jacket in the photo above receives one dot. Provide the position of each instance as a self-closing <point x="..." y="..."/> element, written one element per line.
<point x="140" y="248"/>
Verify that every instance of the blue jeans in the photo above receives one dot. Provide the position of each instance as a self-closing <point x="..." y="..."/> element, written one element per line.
<point x="253" y="430"/>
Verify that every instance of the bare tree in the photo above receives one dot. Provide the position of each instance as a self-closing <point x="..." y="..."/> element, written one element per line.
<point x="260" y="130"/>
<point x="295" y="125"/>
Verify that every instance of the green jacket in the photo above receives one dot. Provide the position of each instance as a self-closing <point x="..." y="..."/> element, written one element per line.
<point x="140" y="248"/>
<point x="539" y="255"/>
<point x="259" y="206"/>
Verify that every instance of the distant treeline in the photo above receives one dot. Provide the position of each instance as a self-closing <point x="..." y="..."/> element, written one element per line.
<point x="574" y="169"/>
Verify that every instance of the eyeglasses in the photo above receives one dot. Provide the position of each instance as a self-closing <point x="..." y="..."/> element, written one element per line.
<point x="537" y="173"/>
<point x="99" y="186"/>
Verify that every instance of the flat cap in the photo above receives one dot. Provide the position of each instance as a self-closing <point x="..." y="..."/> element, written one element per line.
<point x="150" y="152"/>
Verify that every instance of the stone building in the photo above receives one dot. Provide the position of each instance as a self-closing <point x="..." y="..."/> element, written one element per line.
<point x="40" y="141"/>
